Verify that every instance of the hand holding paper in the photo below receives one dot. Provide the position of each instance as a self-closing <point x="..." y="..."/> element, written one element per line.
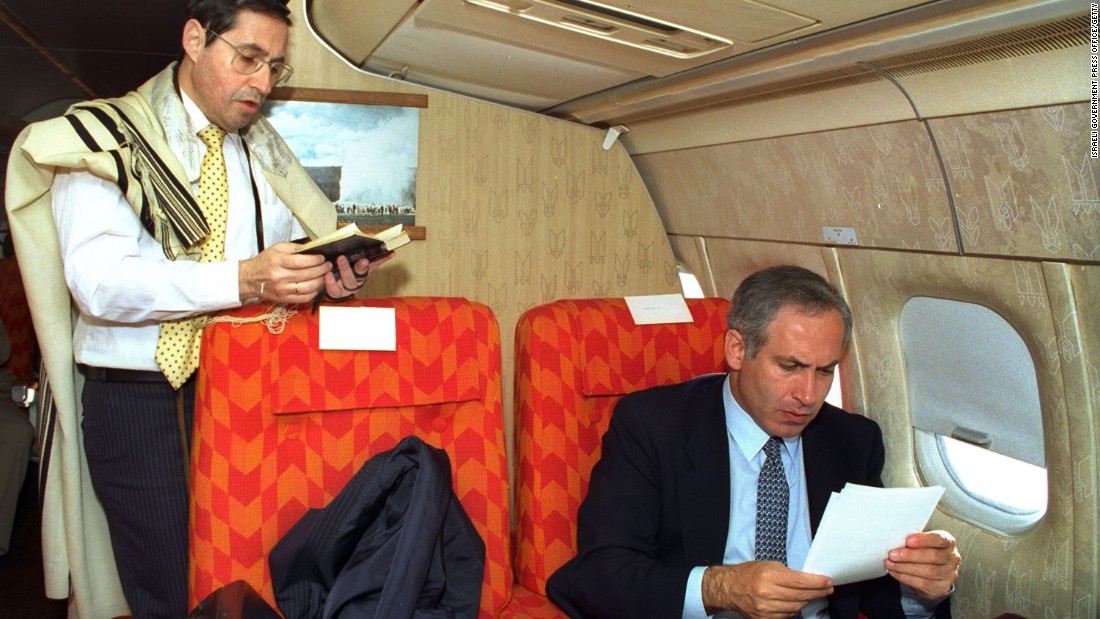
<point x="861" y="525"/>
<point x="928" y="564"/>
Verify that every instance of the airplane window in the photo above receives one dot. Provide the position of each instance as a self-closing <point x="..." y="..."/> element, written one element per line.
<point x="836" y="394"/>
<point x="690" y="283"/>
<point x="974" y="400"/>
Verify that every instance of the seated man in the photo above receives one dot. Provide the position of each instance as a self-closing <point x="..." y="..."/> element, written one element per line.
<point x="16" y="437"/>
<point x="671" y="527"/>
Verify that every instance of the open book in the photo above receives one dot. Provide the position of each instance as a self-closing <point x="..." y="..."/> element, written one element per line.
<point x="352" y="242"/>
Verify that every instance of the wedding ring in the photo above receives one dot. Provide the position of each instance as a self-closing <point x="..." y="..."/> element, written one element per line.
<point x="296" y="290"/>
<point x="262" y="287"/>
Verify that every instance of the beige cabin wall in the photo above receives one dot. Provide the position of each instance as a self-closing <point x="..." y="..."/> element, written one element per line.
<point x="1024" y="182"/>
<point x="882" y="181"/>
<point x="1050" y="569"/>
<point x="520" y="209"/>
<point x="1019" y="183"/>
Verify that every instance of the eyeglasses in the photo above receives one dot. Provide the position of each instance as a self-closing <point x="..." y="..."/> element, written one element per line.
<point x="246" y="62"/>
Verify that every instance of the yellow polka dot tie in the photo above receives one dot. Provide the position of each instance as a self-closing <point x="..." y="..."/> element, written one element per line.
<point x="178" y="344"/>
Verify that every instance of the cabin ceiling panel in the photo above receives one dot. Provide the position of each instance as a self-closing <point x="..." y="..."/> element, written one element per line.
<point x="967" y="32"/>
<point x="354" y="27"/>
<point x="499" y="52"/>
<point x="1024" y="182"/>
<point x="883" y="181"/>
<point x="741" y="21"/>
<point x="430" y="53"/>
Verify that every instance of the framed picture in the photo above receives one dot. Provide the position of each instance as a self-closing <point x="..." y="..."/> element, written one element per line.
<point x="359" y="147"/>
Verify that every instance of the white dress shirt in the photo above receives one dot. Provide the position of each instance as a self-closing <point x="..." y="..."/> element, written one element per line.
<point x="118" y="275"/>
<point x="746" y="454"/>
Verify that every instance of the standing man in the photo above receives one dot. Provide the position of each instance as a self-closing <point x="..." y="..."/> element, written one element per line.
<point x="707" y="493"/>
<point x="152" y="212"/>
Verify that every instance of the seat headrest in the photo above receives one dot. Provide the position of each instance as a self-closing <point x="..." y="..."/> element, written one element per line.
<point x="437" y="361"/>
<point x="621" y="357"/>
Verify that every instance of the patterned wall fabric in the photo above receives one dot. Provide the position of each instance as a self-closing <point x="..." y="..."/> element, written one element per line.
<point x="1024" y="182"/>
<point x="1016" y="183"/>
<point x="16" y="315"/>
<point x="574" y="360"/>
<point x="1049" y="570"/>
<point x="255" y="472"/>
<point x="884" y="181"/>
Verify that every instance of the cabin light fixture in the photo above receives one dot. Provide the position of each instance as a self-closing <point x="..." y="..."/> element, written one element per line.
<point x="613" y="24"/>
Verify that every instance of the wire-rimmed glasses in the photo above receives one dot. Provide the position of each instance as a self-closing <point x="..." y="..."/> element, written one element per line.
<point x="246" y="62"/>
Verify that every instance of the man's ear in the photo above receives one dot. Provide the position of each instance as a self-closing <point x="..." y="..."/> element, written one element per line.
<point x="194" y="37"/>
<point x="735" y="349"/>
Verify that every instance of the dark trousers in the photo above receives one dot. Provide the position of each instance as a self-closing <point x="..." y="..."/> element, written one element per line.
<point x="137" y="465"/>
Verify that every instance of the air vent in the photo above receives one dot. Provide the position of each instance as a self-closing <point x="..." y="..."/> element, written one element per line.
<point x="612" y="24"/>
<point x="1063" y="34"/>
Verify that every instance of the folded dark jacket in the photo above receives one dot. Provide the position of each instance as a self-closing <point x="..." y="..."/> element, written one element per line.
<point x="394" y="543"/>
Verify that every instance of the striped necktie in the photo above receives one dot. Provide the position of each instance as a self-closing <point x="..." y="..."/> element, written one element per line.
<point x="178" y="345"/>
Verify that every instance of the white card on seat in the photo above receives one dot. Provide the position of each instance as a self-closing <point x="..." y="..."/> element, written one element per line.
<point x="357" y="328"/>
<point x="658" y="309"/>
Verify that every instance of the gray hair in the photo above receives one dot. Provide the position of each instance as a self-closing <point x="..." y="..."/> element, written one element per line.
<point x="760" y="297"/>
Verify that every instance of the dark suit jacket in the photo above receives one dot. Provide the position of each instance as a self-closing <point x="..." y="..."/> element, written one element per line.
<point x="658" y="504"/>
<point x="395" y="543"/>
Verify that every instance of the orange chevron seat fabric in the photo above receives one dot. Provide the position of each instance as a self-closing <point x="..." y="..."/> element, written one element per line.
<point x="281" y="426"/>
<point x="16" y="315"/>
<point x="574" y="360"/>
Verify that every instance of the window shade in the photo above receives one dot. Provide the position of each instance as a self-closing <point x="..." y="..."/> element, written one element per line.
<point x="970" y="376"/>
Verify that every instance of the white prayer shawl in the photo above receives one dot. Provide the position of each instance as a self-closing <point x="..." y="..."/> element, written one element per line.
<point x="78" y="559"/>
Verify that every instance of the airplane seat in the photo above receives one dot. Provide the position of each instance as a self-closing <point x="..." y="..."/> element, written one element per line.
<point x="574" y="360"/>
<point x="15" y="313"/>
<point x="281" y="426"/>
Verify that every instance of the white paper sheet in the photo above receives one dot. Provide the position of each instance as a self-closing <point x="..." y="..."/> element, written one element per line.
<point x="357" y="328"/>
<point x="861" y="525"/>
